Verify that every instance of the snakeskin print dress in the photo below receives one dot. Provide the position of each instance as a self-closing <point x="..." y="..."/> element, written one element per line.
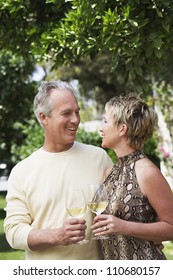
<point x="128" y="203"/>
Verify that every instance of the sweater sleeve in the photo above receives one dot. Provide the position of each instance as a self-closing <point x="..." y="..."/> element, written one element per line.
<point x="17" y="223"/>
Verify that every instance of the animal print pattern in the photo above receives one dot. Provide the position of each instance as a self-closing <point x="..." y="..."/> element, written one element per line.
<point x="127" y="202"/>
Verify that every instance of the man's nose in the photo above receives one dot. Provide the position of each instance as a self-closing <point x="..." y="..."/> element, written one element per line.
<point x="75" y="118"/>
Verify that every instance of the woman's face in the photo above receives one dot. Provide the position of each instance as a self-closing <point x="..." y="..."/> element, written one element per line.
<point x="109" y="132"/>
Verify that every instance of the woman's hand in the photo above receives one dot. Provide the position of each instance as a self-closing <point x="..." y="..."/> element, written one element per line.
<point x="106" y="224"/>
<point x="109" y="224"/>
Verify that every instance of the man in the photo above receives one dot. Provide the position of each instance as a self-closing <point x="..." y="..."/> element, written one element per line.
<point x="36" y="219"/>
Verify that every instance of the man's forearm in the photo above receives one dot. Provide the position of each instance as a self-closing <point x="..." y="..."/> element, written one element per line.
<point x="41" y="238"/>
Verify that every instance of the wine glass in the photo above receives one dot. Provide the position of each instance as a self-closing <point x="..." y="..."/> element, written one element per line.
<point x="98" y="202"/>
<point x="76" y="206"/>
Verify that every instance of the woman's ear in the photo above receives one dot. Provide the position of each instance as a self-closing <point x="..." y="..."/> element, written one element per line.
<point x="123" y="129"/>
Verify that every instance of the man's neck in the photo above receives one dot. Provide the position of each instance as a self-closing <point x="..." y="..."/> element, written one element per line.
<point x="57" y="148"/>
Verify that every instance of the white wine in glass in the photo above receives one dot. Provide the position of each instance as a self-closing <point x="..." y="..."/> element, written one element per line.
<point x="76" y="206"/>
<point x="98" y="202"/>
<point x="97" y="207"/>
<point x="76" y="211"/>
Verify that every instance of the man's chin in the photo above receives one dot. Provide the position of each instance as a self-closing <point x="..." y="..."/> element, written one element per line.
<point x="103" y="145"/>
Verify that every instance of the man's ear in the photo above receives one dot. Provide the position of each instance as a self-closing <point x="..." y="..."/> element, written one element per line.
<point x="42" y="118"/>
<point x="123" y="129"/>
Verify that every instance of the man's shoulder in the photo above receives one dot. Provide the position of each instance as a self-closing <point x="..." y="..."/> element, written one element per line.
<point x="89" y="147"/>
<point x="92" y="151"/>
<point x="27" y="160"/>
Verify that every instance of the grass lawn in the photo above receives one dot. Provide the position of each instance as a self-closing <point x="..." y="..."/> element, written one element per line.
<point x="7" y="253"/>
<point x="168" y="250"/>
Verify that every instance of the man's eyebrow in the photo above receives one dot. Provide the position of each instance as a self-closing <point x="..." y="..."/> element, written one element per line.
<point x="65" y="111"/>
<point x="69" y="110"/>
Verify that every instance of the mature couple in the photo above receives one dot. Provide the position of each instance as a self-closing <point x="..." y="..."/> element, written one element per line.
<point x="140" y="209"/>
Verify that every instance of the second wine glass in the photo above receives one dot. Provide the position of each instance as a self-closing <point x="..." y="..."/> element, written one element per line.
<point x="98" y="202"/>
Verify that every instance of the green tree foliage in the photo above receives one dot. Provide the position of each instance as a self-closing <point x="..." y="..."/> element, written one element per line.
<point x="138" y="35"/>
<point x="96" y="80"/>
<point x="24" y="23"/>
<point x="165" y="102"/>
<point x="33" y="139"/>
<point x="110" y="46"/>
<point x="16" y="96"/>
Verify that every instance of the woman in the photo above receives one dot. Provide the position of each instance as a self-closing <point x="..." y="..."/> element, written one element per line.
<point x="140" y="209"/>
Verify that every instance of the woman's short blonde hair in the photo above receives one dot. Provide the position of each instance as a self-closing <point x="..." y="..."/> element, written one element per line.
<point x="140" y="119"/>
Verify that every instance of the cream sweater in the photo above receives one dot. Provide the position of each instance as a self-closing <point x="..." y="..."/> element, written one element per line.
<point x="36" y="197"/>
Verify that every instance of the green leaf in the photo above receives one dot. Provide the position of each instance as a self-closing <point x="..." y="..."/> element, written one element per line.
<point x="157" y="43"/>
<point x="132" y="74"/>
<point x="133" y="22"/>
<point x="160" y="14"/>
<point x="158" y="53"/>
<point x="138" y="71"/>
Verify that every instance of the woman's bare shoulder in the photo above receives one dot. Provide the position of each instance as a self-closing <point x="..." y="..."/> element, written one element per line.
<point x="148" y="175"/>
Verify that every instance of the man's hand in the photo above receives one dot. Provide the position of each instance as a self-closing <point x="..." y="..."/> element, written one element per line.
<point x="72" y="231"/>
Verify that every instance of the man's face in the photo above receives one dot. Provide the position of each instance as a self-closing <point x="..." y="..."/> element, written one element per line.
<point x="61" y="126"/>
